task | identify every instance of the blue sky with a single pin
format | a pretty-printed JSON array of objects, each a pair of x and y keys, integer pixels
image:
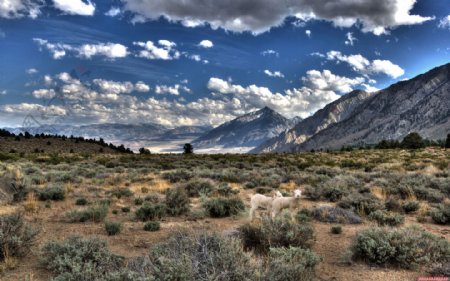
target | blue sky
[{"x": 204, "y": 62}]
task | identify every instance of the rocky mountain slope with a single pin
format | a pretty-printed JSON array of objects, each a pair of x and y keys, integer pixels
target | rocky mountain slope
[
  {"x": 421, "y": 105},
  {"x": 332, "y": 113},
  {"x": 247, "y": 131}
]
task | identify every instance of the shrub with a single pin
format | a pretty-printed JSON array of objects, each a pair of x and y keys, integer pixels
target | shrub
[
  {"x": 223, "y": 207},
  {"x": 442, "y": 214},
  {"x": 291, "y": 264},
  {"x": 337, "y": 229},
  {"x": 95, "y": 213},
  {"x": 122, "y": 192},
  {"x": 52, "y": 193},
  {"x": 177, "y": 201},
  {"x": 361, "y": 203},
  {"x": 113, "y": 228},
  {"x": 79, "y": 259},
  {"x": 281, "y": 232},
  {"x": 392, "y": 204},
  {"x": 387, "y": 218},
  {"x": 152, "y": 226},
  {"x": 138, "y": 201},
  {"x": 197, "y": 187},
  {"x": 335, "y": 215},
  {"x": 407, "y": 247},
  {"x": 304, "y": 215},
  {"x": 150, "y": 212},
  {"x": 411, "y": 206},
  {"x": 177, "y": 176},
  {"x": 81, "y": 201},
  {"x": 126, "y": 209},
  {"x": 200, "y": 256},
  {"x": 226, "y": 190},
  {"x": 16, "y": 236}
]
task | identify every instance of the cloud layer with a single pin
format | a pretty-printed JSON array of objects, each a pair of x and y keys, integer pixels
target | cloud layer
[{"x": 258, "y": 16}]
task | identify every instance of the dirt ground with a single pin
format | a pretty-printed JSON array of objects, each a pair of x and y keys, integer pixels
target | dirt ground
[{"x": 134, "y": 241}]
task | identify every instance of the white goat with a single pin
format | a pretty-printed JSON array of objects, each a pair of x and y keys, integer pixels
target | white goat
[
  {"x": 262, "y": 201},
  {"x": 281, "y": 203}
]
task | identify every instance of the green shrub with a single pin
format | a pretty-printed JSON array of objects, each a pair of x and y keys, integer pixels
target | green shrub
[
  {"x": 226, "y": 190},
  {"x": 150, "y": 212},
  {"x": 291, "y": 264},
  {"x": 406, "y": 247},
  {"x": 152, "y": 226},
  {"x": 177, "y": 176},
  {"x": 411, "y": 206},
  {"x": 281, "y": 232},
  {"x": 81, "y": 201},
  {"x": 197, "y": 187},
  {"x": 126, "y": 209},
  {"x": 200, "y": 256},
  {"x": 95, "y": 213},
  {"x": 138, "y": 201},
  {"x": 223, "y": 207},
  {"x": 177, "y": 201},
  {"x": 16, "y": 236},
  {"x": 364, "y": 203},
  {"x": 152, "y": 198},
  {"x": 78, "y": 259},
  {"x": 335, "y": 215},
  {"x": 387, "y": 218},
  {"x": 52, "y": 193},
  {"x": 336, "y": 229},
  {"x": 392, "y": 204},
  {"x": 303, "y": 216},
  {"x": 441, "y": 215},
  {"x": 122, "y": 192},
  {"x": 113, "y": 228}
]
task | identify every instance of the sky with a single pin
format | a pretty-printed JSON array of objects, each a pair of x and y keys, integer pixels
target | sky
[{"x": 204, "y": 62}]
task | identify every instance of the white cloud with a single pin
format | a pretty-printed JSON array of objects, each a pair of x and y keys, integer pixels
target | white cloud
[
  {"x": 172, "y": 90},
  {"x": 350, "y": 39},
  {"x": 444, "y": 22},
  {"x": 370, "y": 88},
  {"x": 274, "y": 74},
  {"x": 308, "y": 33},
  {"x": 32, "y": 71},
  {"x": 364, "y": 66},
  {"x": 113, "y": 12},
  {"x": 376, "y": 16},
  {"x": 206, "y": 44},
  {"x": 113, "y": 87},
  {"x": 75, "y": 7},
  {"x": 3, "y": 92},
  {"x": 44, "y": 93},
  {"x": 270, "y": 52},
  {"x": 109, "y": 50},
  {"x": 59, "y": 50},
  {"x": 11, "y": 9},
  {"x": 165, "y": 51},
  {"x": 327, "y": 81}
]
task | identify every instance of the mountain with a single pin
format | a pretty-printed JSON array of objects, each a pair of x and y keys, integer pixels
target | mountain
[
  {"x": 246, "y": 132},
  {"x": 421, "y": 105},
  {"x": 154, "y": 136},
  {"x": 332, "y": 113}
]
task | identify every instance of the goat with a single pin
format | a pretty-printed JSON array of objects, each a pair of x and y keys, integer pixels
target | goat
[
  {"x": 262, "y": 201},
  {"x": 281, "y": 203}
]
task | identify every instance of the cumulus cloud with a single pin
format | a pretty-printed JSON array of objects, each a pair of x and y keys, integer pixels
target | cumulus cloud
[
  {"x": 165, "y": 51},
  {"x": 270, "y": 52},
  {"x": 75, "y": 7},
  {"x": 327, "y": 81},
  {"x": 44, "y": 93},
  {"x": 350, "y": 39},
  {"x": 258, "y": 16},
  {"x": 32, "y": 71},
  {"x": 308, "y": 33},
  {"x": 364, "y": 66},
  {"x": 11, "y": 9},
  {"x": 108, "y": 50},
  {"x": 127, "y": 87},
  {"x": 274, "y": 73},
  {"x": 444, "y": 22},
  {"x": 113, "y": 12},
  {"x": 171, "y": 90},
  {"x": 206, "y": 44}
]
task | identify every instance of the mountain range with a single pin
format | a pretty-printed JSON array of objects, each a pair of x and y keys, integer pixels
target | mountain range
[{"x": 246, "y": 132}]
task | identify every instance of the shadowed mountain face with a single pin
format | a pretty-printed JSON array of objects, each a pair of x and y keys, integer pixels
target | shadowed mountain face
[
  {"x": 332, "y": 113},
  {"x": 249, "y": 130},
  {"x": 418, "y": 105}
]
